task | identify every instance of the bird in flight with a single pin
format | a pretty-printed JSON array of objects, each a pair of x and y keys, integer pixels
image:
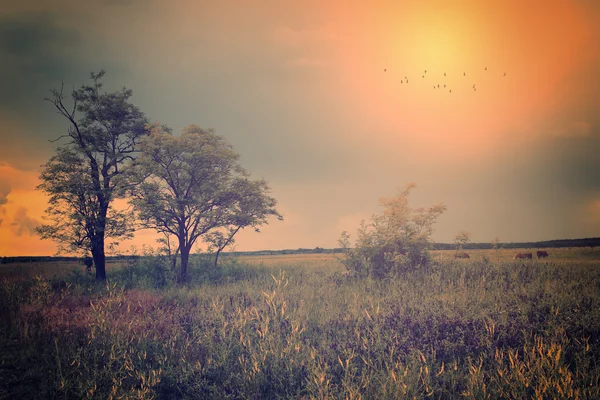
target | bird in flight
[
  {"x": 486, "y": 68},
  {"x": 450, "y": 90},
  {"x": 444, "y": 74},
  {"x": 425, "y": 71},
  {"x": 505, "y": 74},
  {"x": 464, "y": 74},
  {"x": 385, "y": 69},
  {"x": 401, "y": 81}
]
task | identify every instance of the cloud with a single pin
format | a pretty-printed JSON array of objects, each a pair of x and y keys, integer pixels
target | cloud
[
  {"x": 4, "y": 192},
  {"x": 22, "y": 224},
  {"x": 14, "y": 179},
  {"x": 37, "y": 53},
  {"x": 34, "y": 50},
  {"x": 20, "y": 149}
]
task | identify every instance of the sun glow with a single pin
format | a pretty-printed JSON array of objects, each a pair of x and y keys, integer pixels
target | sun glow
[{"x": 454, "y": 81}]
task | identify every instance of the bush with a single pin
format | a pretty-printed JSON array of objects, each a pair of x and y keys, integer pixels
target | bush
[{"x": 394, "y": 242}]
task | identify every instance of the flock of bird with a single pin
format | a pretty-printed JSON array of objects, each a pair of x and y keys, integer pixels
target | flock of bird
[{"x": 405, "y": 80}]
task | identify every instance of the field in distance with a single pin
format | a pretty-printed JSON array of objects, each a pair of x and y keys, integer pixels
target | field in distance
[
  {"x": 579, "y": 254},
  {"x": 326, "y": 261}
]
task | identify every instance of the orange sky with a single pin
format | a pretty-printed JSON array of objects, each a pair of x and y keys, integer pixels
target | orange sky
[{"x": 300, "y": 90}]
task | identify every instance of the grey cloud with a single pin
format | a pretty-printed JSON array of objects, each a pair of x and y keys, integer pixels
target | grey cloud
[
  {"x": 23, "y": 224},
  {"x": 34, "y": 43},
  {"x": 37, "y": 53}
]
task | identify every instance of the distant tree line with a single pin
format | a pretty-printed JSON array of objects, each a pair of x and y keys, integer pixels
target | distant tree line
[{"x": 586, "y": 242}]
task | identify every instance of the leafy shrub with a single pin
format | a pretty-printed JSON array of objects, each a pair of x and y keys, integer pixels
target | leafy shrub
[{"x": 394, "y": 242}]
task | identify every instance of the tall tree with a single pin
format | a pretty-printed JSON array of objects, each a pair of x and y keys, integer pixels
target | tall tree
[
  {"x": 85, "y": 176},
  {"x": 190, "y": 185}
]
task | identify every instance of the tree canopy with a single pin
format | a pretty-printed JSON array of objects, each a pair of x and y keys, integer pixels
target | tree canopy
[
  {"x": 85, "y": 176},
  {"x": 192, "y": 186},
  {"x": 393, "y": 242}
]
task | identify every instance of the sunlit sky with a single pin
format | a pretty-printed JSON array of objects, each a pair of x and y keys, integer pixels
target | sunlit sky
[{"x": 313, "y": 95}]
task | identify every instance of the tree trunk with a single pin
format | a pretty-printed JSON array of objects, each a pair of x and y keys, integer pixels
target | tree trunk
[
  {"x": 99, "y": 257},
  {"x": 217, "y": 257},
  {"x": 222, "y": 247},
  {"x": 185, "y": 256}
]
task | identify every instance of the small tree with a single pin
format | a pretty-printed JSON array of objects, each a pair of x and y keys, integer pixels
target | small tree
[
  {"x": 168, "y": 249},
  {"x": 496, "y": 246},
  {"x": 192, "y": 185},
  {"x": 461, "y": 239},
  {"x": 394, "y": 242},
  {"x": 252, "y": 207}
]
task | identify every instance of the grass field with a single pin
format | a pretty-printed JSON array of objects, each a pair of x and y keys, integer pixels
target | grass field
[{"x": 294, "y": 326}]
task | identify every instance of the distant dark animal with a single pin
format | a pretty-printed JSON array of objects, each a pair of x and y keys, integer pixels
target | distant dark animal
[
  {"x": 461, "y": 255},
  {"x": 88, "y": 262},
  {"x": 523, "y": 256},
  {"x": 541, "y": 254}
]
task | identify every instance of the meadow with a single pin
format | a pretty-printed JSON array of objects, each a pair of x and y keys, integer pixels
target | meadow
[{"x": 295, "y": 326}]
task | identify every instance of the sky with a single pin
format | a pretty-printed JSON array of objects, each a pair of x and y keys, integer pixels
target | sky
[{"x": 313, "y": 96}]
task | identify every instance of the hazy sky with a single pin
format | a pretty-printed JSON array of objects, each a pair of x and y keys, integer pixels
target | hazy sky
[{"x": 299, "y": 89}]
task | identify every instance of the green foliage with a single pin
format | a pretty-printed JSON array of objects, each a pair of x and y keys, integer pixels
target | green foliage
[
  {"x": 393, "y": 242},
  {"x": 86, "y": 174},
  {"x": 74, "y": 205},
  {"x": 192, "y": 187}
]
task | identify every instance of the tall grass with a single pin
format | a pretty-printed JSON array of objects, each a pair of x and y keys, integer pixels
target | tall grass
[{"x": 474, "y": 329}]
